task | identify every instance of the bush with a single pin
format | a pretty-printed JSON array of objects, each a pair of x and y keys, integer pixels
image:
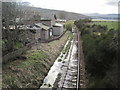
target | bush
[
  {"x": 69, "y": 25},
  {"x": 59, "y": 60},
  {"x": 99, "y": 54}
]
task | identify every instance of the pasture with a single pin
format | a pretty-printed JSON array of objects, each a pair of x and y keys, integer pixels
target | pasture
[{"x": 109, "y": 24}]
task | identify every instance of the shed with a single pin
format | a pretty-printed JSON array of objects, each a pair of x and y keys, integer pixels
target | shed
[
  {"x": 57, "y": 29},
  {"x": 44, "y": 32}
]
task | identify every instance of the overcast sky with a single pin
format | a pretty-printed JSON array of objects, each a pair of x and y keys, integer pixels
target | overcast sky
[{"x": 79, "y": 6}]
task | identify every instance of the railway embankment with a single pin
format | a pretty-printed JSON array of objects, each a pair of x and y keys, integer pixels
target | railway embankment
[{"x": 31, "y": 68}]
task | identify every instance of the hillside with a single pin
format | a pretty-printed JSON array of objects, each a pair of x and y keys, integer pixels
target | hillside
[
  {"x": 102, "y": 16},
  {"x": 49, "y": 13}
]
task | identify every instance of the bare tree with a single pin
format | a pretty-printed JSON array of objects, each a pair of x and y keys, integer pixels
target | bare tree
[{"x": 10, "y": 13}]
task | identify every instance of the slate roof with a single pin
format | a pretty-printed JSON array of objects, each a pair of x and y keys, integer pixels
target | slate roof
[{"x": 40, "y": 25}]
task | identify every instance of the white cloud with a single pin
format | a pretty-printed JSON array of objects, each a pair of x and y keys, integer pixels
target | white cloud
[
  {"x": 79, "y": 6},
  {"x": 112, "y": 2}
]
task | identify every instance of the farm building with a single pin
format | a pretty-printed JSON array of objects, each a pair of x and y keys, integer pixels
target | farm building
[
  {"x": 35, "y": 32},
  {"x": 57, "y": 29},
  {"x": 45, "y": 32},
  {"x": 46, "y": 22}
]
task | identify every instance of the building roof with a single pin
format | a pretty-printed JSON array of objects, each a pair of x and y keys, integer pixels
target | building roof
[
  {"x": 58, "y": 25},
  {"x": 28, "y": 27},
  {"x": 40, "y": 25},
  {"x": 61, "y": 20},
  {"x": 46, "y": 20}
]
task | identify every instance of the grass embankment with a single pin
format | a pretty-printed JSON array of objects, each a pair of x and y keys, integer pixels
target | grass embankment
[
  {"x": 26, "y": 73},
  {"x": 31, "y": 71}
]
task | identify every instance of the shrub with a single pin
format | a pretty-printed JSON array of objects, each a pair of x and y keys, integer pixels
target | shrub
[{"x": 59, "y": 60}]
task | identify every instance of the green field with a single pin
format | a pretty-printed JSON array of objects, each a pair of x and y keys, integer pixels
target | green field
[{"x": 109, "y": 24}]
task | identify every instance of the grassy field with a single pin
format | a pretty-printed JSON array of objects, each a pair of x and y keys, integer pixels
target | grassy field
[{"x": 109, "y": 24}]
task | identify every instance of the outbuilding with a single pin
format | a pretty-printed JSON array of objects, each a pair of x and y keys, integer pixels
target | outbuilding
[
  {"x": 45, "y": 32},
  {"x": 57, "y": 29}
]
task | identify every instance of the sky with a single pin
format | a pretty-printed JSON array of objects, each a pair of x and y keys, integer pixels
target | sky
[{"x": 79, "y": 6}]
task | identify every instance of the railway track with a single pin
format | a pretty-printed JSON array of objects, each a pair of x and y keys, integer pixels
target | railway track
[{"x": 70, "y": 72}]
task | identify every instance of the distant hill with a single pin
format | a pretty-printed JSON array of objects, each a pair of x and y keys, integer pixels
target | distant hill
[
  {"x": 102, "y": 16},
  {"x": 49, "y": 13}
]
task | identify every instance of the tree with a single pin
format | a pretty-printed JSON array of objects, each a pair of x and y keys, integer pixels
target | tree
[
  {"x": 8, "y": 18},
  {"x": 69, "y": 25},
  {"x": 101, "y": 54},
  {"x": 36, "y": 17},
  {"x": 10, "y": 12}
]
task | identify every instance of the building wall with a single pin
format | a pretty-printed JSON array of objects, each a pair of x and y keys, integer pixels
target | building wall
[
  {"x": 38, "y": 35},
  {"x": 47, "y": 34},
  {"x": 44, "y": 34},
  {"x": 62, "y": 29},
  {"x": 57, "y": 30}
]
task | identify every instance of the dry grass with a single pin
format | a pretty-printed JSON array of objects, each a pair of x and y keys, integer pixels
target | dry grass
[{"x": 52, "y": 49}]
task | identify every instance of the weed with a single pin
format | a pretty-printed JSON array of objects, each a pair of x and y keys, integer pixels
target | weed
[
  {"x": 49, "y": 85},
  {"x": 59, "y": 60},
  {"x": 63, "y": 62},
  {"x": 61, "y": 56},
  {"x": 44, "y": 84}
]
